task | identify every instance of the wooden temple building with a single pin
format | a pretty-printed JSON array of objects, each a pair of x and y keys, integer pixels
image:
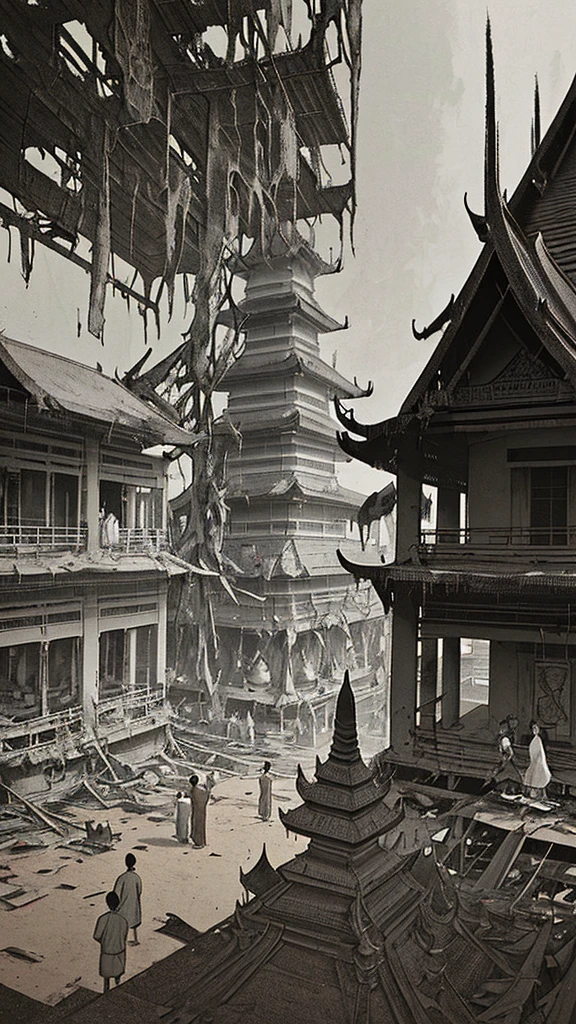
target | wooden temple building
[
  {"x": 151, "y": 144},
  {"x": 491, "y": 424},
  {"x": 353, "y": 930},
  {"x": 297, "y": 619},
  {"x": 84, "y": 567}
]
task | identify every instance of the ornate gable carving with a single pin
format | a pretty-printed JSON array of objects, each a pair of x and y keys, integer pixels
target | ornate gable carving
[{"x": 524, "y": 377}]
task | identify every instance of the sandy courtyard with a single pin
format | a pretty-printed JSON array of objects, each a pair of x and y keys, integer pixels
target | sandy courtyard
[{"x": 200, "y": 886}]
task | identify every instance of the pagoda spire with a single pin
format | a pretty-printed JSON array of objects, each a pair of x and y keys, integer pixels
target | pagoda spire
[
  {"x": 345, "y": 747},
  {"x": 343, "y": 809},
  {"x": 491, "y": 168},
  {"x": 536, "y": 125}
]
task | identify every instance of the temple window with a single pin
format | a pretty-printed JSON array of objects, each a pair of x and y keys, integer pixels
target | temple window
[{"x": 549, "y": 505}]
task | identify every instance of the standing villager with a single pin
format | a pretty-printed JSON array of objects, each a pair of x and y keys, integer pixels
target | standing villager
[
  {"x": 111, "y": 932},
  {"x": 183, "y": 814},
  {"x": 210, "y": 782},
  {"x": 199, "y": 799},
  {"x": 265, "y": 800},
  {"x": 506, "y": 776},
  {"x": 538, "y": 774},
  {"x": 128, "y": 888},
  {"x": 250, "y": 730}
]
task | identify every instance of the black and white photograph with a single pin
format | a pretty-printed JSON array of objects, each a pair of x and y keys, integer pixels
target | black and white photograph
[{"x": 287, "y": 512}]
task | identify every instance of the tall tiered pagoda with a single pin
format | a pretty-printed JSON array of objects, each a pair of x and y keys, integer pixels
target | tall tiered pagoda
[
  {"x": 307, "y": 620},
  {"x": 491, "y": 423}
]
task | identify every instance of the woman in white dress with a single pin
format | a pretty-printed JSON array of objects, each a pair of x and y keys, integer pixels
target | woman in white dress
[
  {"x": 183, "y": 812},
  {"x": 538, "y": 774}
]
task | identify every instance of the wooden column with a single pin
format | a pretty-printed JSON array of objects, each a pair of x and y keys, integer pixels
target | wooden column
[
  {"x": 90, "y": 661},
  {"x": 131, "y": 640},
  {"x": 450, "y": 681},
  {"x": 161, "y": 638},
  {"x": 44, "y": 681},
  {"x": 409, "y": 496},
  {"x": 403, "y": 669},
  {"x": 92, "y": 492},
  {"x": 428, "y": 682}
]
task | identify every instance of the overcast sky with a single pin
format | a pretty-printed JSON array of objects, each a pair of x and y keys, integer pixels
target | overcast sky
[{"x": 420, "y": 149}]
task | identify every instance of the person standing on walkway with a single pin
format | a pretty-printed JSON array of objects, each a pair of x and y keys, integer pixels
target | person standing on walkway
[
  {"x": 111, "y": 932},
  {"x": 265, "y": 800},
  {"x": 199, "y": 799},
  {"x": 128, "y": 888},
  {"x": 538, "y": 774}
]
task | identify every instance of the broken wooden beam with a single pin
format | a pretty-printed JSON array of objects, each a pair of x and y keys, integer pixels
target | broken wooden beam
[{"x": 34, "y": 810}]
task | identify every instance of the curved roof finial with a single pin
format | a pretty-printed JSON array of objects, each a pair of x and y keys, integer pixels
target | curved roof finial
[
  {"x": 536, "y": 125},
  {"x": 345, "y": 739},
  {"x": 491, "y": 183}
]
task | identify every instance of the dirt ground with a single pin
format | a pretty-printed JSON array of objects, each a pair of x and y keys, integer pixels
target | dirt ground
[{"x": 201, "y": 886}]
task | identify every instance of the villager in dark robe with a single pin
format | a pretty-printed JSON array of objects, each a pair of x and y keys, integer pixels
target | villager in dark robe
[
  {"x": 199, "y": 799},
  {"x": 265, "y": 801},
  {"x": 128, "y": 888},
  {"x": 111, "y": 932}
]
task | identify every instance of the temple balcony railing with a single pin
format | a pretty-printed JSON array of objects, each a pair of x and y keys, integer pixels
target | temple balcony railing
[
  {"x": 457, "y": 751},
  {"x": 139, "y": 703},
  {"x": 531, "y": 544},
  {"x": 41, "y": 538},
  {"x": 134, "y": 541},
  {"x": 34, "y": 732}
]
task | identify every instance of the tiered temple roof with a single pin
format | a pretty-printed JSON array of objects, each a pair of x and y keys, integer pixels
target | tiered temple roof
[{"x": 525, "y": 276}]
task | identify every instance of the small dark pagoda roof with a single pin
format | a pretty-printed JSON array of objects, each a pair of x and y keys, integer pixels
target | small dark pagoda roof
[{"x": 261, "y": 877}]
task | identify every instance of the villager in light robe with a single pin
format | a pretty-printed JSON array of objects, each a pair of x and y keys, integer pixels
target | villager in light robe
[
  {"x": 265, "y": 801},
  {"x": 250, "y": 733},
  {"x": 183, "y": 814},
  {"x": 199, "y": 799},
  {"x": 128, "y": 888},
  {"x": 111, "y": 932},
  {"x": 538, "y": 774},
  {"x": 110, "y": 531}
]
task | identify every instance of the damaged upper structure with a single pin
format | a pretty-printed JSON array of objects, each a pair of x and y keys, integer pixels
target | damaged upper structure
[
  {"x": 149, "y": 133},
  {"x": 84, "y": 564},
  {"x": 491, "y": 423},
  {"x": 353, "y": 930},
  {"x": 151, "y": 141}
]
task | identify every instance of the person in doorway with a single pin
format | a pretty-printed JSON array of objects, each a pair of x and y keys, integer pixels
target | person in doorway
[
  {"x": 250, "y": 731},
  {"x": 128, "y": 888},
  {"x": 265, "y": 800},
  {"x": 199, "y": 799},
  {"x": 538, "y": 774},
  {"x": 183, "y": 813},
  {"x": 111, "y": 932}
]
